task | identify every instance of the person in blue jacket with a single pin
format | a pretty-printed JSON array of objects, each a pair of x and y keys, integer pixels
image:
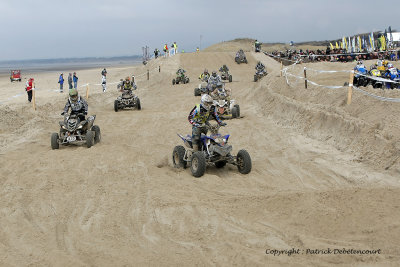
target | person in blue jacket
[
  {"x": 61, "y": 82},
  {"x": 75, "y": 78}
]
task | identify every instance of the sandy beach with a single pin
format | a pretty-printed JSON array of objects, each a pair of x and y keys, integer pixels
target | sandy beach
[{"x": 325, "y": 174}]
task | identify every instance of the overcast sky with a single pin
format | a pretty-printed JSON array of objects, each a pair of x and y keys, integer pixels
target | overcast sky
[{"x": 96, "y": 28}]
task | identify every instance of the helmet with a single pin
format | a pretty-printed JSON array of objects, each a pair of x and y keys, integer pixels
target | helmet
[
  {"x": 214, "y": 73},
  {"x": 73, "y": 95},
  {"x": 205, "y": 70},
  {"x": 389, "y": 65},
  {"x": 128, "y": 79},
  {"x": 206, "y": 101},
  {"x": 219, "y": 85}
]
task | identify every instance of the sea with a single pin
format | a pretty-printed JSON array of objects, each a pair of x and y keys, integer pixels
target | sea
[{"x": 66, "y": 64}]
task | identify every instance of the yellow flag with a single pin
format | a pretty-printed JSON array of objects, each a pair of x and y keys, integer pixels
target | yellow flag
[
  {"x": 337, "y": 45},
  {"x": 331, "y": 46}
]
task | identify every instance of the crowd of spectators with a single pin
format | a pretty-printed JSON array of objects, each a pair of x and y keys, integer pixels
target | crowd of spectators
[{"x": 334, "y": 55}]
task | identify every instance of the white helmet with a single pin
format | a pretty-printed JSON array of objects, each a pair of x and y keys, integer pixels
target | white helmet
[
  {"x": 390, "y": 65},
  {"x": 206, "y": 101}
]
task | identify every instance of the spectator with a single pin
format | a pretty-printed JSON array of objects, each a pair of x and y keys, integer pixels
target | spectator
[
  {"x": 70, "y": 80},
  {"x": 175, "y": 48},
  {"x": 29, "y": 88},
  {"x": 61, "y": 82},
  {"x": 75, "y": 78},
  {"x": 165, "y": 49}
]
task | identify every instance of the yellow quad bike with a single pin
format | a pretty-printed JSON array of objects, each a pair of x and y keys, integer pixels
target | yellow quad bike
[{"x": 376, "y": 73}]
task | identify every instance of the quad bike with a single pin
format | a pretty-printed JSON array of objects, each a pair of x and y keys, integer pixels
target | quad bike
[
  {"x": 259, "y": 74},
  {"x": 75, "y": 131},
  {"x": 127, "y": 100},
  {"x": 180, "y": 78},
  {"x": 213, "y": 150},
  {"x": 394, "y": 75},
  {"x": 226, "y": 109},
  {"x": 257, "y": 47},
  {"x": 226, "y": 76},
  {"x": 15, "y": 76},
  {"x": 202, "y": 89},
  {"x": 359, "y": 78},
  {"x": 240, "y": 57},
  {"x": 377, "y": 74}
]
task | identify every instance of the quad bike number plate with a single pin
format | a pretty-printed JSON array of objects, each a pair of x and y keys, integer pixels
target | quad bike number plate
[{"x": 71, "y": 138}]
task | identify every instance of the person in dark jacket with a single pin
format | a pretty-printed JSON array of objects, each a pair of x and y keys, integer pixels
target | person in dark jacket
[{"x": 70, "y": 80}]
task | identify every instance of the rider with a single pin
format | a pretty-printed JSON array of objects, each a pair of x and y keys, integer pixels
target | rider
[
  {"x": 205, "y": 75},
  {"x": 127, "y": 87},
  {"x": 260, "y": 67},
  {"x": 221, "y": 92},
  {"x": 213, "y": 80},
  {"x": 256, "y": 43},
  {"x": 77, "y": 104},
  {"x": 224, "y": 68},
  {"x": 199, "y": 116},
  {"x": 180, "y": 71}
]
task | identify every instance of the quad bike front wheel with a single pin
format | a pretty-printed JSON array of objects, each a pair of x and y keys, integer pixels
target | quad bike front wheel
[
  {"x": 230, "y": 78},
  {"x": 255, "y": 78},
  {"x": 197, "y": 92},
  {"x": 198, "y": 164},
  {"x": 97, "y": 134},
  {"x": 54, "y": 141},
  {"x": 138, "y": 106},
  {"x": 177, "y": 157},
  {"x": 243, "y": 162},
  {"x": 89, "y": 139},
  {"x": 173, "y": 81}
]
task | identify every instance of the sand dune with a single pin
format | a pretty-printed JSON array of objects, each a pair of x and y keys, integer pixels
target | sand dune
[{"x": 318, "y": 177}]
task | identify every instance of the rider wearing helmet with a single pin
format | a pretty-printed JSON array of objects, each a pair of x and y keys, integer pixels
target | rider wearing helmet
[
  {"x": 199, "y": 116},
  {"x": 260, "y": 66},
  {"x": 77, "y": 104},
  {"x": 224, "y": 68},
  {"x": 205, "y": 75},
  {"x": 213, "y": 80}
]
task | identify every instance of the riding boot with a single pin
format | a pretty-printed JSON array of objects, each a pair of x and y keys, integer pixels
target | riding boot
[{"x": 195, "y": 147}]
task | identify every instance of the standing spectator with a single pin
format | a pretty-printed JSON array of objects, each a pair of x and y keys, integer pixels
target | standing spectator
[
  {"x": 165, "y": 49},
  {"x": 175, "y": 48},
  {"x": 61, "y": 82},
  {"x": 28, "y": 88},
  {"x": 156, "y": 51},
  {"x": 103, "y": 83},
  {"x": 70, "y": 80},
  {"x": 104, "y": 72},
  {"x": 75, "y": 78}
]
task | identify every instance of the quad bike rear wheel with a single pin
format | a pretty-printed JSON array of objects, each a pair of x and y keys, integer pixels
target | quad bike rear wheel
[
  {"x": 230, "y": 78},
  {"x": 97, "y": 134},
  {"x": 198, "y": 164},
  {"x": 89, "y": 139},
  {"x": 54, "y": 141},
  {"x": 255, "y": 78},
  {"x": 243, "y": 162},
  {"x": 177, "y": 157},
  {"x": 116, "y": 105},
  {"x": 197, "y": 92},
  {"x": 138, "y": 106},
  {"x": 173, "y": 81},
  {"x": 238, "y": 110}
]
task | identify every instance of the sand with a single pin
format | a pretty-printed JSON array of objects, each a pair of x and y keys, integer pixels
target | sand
[{"x": 319, "y": 179}]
